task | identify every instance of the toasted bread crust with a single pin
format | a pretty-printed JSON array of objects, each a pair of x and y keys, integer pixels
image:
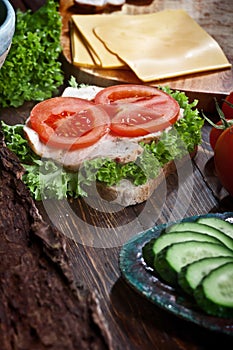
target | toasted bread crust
[{"x": 126, "y": 193}]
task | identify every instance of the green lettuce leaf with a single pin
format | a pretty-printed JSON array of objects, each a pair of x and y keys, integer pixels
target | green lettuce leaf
[{"x": 32, "y": 71}]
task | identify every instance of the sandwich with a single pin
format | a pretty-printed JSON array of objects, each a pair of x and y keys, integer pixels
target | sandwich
[{"x": 122, "y": 139}]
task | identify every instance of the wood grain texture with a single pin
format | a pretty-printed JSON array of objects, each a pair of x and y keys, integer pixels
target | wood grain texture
[{"x": 215, "y": 17}]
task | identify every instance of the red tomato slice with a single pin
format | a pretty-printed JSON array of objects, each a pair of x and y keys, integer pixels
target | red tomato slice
[
  {"x": 223, "y": 158},
  {"x": 69, "y": 122},
  {"x": 138, "y": 110}
]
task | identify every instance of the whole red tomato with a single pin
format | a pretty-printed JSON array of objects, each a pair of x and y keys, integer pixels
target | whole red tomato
[
  {"x": 215, "y": 132},
  {"x": 227, "y": 108},
  {"x": 226, "y": 119},
  {"x": 223, "y": 158}
]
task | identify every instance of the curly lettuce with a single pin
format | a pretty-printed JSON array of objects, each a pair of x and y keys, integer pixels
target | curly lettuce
[{"x": 32, "y": 70}]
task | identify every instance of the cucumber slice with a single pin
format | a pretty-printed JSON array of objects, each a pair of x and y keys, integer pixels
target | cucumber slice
[
  {"x": 148, "y": 253},
  {"x": 215, "y": 292},
  {"x": 154, "y": 246},
  {"x": 222, "y": 225},
  {"x": 191, "y": 275},
  {"x": 205, "y": 229},
  {"x": 169, "y": 261}
]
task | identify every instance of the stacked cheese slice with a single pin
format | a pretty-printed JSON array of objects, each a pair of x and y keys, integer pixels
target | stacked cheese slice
[{"x": 154, "y": 46}]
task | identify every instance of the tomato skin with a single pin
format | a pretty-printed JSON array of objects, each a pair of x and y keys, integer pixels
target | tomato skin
[
  {"x": 223, "y": 159},
  {"x": 141, "y": 121},
  {"x": 214, "y": 135},
  {"x": 227, "y": 109},
  {"x": 125, "y": 93},
  {"x": 215, "y": 132},
  {"x": 226, "y": 115},
  {"x": 137, "y": 110},
  {"x": 68, "y": 122}
]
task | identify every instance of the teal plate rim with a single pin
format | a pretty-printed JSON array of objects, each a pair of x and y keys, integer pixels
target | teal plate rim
[{"x": 145, "y": 282}]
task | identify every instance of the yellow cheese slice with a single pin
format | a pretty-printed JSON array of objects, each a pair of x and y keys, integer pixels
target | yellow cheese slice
[
  {"x": 161, "y": 45},
  {"x": 82, "y": 53},
  {"x": 87, "y": 49}
]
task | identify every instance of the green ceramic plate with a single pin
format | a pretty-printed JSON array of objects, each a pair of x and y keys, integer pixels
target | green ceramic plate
[{"x": 144, "y": 281}]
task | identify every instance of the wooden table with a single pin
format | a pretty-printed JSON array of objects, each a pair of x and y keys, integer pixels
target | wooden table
[{"x": 95, "y": 232}]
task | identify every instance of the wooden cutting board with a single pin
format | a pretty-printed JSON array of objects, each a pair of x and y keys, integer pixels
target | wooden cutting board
[{"x": 202, "y": 86}]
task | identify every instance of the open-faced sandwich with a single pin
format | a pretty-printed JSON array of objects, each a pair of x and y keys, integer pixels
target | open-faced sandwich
[{"x": 123, "y": 138}]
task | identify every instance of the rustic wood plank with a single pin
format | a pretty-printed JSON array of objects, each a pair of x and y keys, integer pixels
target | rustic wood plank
[{"x": 139, "y": 324}]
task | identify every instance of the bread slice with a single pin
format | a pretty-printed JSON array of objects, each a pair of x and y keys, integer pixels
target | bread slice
[{"x": 126, "y": 193}]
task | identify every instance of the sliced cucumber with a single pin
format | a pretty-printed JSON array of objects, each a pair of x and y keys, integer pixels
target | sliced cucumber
[
  {"x": 169, "y": 261},
  {"x": 191, "y": 275},
  {"x": 215, "y": 292},
  {"x": 221, "y": 225},
  {"x": 153, "y": 247},
  {"x": 148, "y": 253},
  {"x": 202, "y": 228}
]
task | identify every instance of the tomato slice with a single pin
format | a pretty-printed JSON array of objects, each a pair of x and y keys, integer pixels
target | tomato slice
[
  {"x": 69, "y": 122},
  {"x": 137, "y": 110}
]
